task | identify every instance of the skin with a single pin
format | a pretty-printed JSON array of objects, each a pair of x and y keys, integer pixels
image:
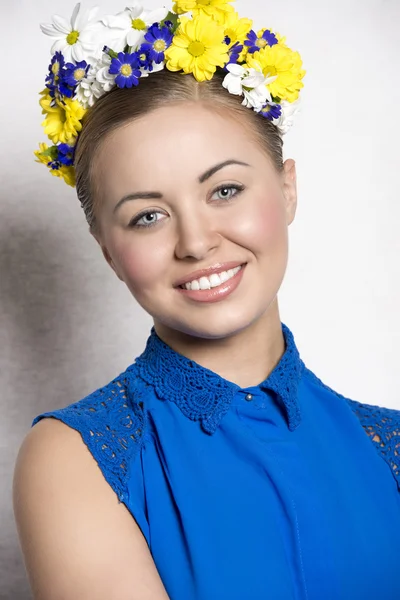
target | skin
[{"x": 240, "y": 337}]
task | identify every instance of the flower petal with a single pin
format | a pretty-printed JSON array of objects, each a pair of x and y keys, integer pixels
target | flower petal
[
  {"x": 77, "y": 52},
  {"x": 135, "y": 10},
  {"x": 50, "y": 30},
  {"x": 236, "y": 69},
  {"x": 61, "y": 24},
  {"x": 83, "y": 19},
  {"x": 155, "y": 16},
  {"x": 61, "y": 45},
  {"x": 180, "y": 41},
  {"x": 120, "y": 21},
  {"x": 134, "y": 37}
]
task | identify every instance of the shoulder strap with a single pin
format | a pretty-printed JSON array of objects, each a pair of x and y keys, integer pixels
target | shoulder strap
[
  {"x": 383, "y": 427},
  {"x": 111, "y": 424}
]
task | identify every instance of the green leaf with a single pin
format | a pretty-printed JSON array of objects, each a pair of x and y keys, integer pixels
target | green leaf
[
  {"x": 111, "y": 53},
  {"x": 51, "y": 152},
  {"x": 174, "y": 20}
]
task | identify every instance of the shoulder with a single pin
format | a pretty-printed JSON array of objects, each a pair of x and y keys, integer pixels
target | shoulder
[
  {"x": 380, "y": 423},
  {"x": 111, "y": 422},
  {"x": 69, "y": 521}
]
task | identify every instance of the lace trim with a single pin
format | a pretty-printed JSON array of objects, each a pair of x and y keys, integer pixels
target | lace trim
[
  {"x": 203, "y": 395},
  {"x": 381, "y": 424},
  {"x": 200, "y": 394},
  {"x": 284, "y": 380},
  {"x": 116, "y": 434}
]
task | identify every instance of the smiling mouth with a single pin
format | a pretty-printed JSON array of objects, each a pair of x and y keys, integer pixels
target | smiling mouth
[{"x": 212, "y": 281}]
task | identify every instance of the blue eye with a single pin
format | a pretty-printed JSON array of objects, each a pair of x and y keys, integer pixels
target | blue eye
[
  {"x": 227, "y": 192},
  {"x": 143, "y": 217},
  {"x": 147, "y": 219}
]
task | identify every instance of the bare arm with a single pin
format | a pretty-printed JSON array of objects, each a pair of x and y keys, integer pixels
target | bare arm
[{"x": 77, "y": 540}]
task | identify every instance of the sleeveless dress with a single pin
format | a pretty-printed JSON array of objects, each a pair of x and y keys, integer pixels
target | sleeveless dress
[{"x": 282, "y": 491}]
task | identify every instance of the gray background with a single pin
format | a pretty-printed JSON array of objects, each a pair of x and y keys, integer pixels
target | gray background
[{"x": 68, "y": 325}]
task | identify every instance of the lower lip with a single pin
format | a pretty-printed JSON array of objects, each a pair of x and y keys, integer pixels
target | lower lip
[{"x": 215, "y": 294}]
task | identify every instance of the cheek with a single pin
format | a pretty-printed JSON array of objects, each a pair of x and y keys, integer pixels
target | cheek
[
  {"x": 141, "y": 261},
  {"x": 263, "y": 225}
]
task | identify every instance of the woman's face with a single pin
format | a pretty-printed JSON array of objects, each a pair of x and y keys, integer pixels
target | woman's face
[{"x": 203, "y": 194}]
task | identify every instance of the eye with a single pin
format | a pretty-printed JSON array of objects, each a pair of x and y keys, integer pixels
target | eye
[
  {"x": 145, "y": 219},
  {"x": 227, "y": 191}
]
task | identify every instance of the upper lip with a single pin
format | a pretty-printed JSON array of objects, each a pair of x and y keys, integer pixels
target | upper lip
[{"x": 218, "y": 268}]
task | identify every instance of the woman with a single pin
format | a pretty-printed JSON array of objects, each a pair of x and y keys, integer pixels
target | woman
[{"x": 217, "y": 465}]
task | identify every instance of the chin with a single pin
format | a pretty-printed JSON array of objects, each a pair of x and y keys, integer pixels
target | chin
[{"x": 210, "y": 327}]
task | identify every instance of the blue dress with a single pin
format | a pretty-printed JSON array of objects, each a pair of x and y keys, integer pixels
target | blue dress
[{"x": 282, "y": 491}]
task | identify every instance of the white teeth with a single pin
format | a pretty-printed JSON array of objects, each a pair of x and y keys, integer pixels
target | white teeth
[
  {"x": 216, "y": 279},
  {"x": 224, "y": 276},
  {"x": 205, "y": 283}
]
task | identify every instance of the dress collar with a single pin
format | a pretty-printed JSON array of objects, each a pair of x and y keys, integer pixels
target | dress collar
[{"x": 204, "y": 395}]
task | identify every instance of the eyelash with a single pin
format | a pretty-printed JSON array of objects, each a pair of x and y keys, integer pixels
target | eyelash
[{"x": 134, "y": 223}]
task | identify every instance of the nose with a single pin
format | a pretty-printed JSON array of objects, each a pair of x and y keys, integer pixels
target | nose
[{"x": 196, "y": 236}]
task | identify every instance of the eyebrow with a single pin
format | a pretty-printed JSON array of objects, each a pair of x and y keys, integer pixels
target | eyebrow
[{"x": 157, "y": 195}]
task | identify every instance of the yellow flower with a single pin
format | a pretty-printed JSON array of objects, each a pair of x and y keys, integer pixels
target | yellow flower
[
  {"x": 285, "y": 64},
  {"x": 236, "y": 29},
  {"x": 66, "y": 173},
  {"x": 46, "y": 101},
  {"x": 63, "y": 120},
  {"x": 40, "y": 156},
  {"x": 44, "y": 156},
  {"x": 212, "y": 8},
  {"x": 198, "y": 47}
]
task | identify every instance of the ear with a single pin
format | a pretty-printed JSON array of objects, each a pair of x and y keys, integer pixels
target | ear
[
  {"x": 290, "y": 189},
  {"x": 105, "y": 252}
]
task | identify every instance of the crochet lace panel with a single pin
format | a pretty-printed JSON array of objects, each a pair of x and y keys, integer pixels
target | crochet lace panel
[
  {"x": 284, "y": 380},
  {"x": 382, "y": 425},
  {"x": 203, "y": 395},
  {"x": 112, "y": 423}
]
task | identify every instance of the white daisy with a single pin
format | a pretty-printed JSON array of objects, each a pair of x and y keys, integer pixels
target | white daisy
[
  {"x": 250, "y": 83},
  {"x": 128, "y": 27},
  {"x": 97, "y": 82},
  {"x": 289, "y": 111},
  {"x": 79, "y": 39}
]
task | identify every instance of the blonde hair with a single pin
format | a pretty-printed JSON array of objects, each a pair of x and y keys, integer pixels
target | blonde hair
[{"x": 120, "y": 106}]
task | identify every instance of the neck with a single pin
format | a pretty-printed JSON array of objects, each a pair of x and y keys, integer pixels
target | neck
[{"x": 246, "y": 358}]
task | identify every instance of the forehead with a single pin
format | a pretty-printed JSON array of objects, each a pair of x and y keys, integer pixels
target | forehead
[{"x": 170, "y": 144}]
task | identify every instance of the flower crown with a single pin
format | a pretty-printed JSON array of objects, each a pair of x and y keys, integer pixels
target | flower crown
[{"x": 90, "y": 57}]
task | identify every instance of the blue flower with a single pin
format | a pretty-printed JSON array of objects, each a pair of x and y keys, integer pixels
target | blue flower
[
  {"x": 73, "y": 74},
  {"x": 158, "y": 39},
  {"x": 143, "y": 57},
  {"x": 54, "y": 165},
  {"x": 234, "y": 53},
  {"x": 64, "y": 89},
  {"x": 255, "y": 43},
  {"x": 56, "y": 67},
  {"x": 66, "y": 154},
  {"x": 70, "y": 77},
  {"x": 126, "y": 69},
  {"x": 271, "y": 111}
]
